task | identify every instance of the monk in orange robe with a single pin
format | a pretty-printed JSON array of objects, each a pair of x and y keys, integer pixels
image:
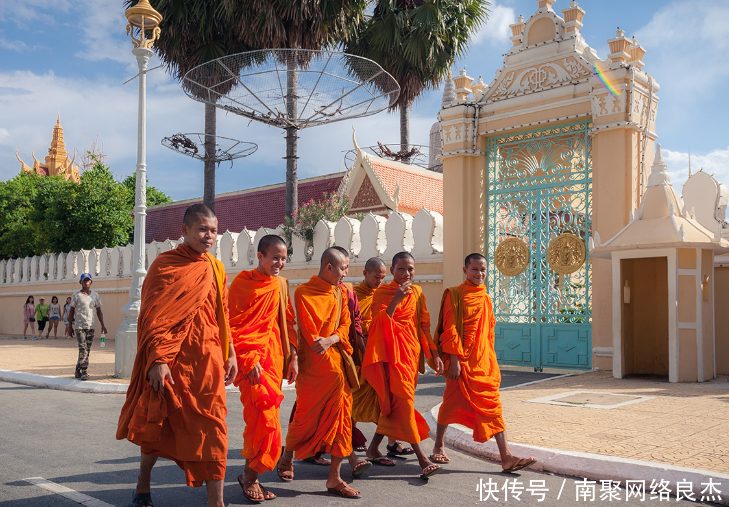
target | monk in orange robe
[
  {"x": 262, "y": 328},
  {"x": 365, "y": 407},
  {"x": 399, "y": 340},
  {"x": 465, "y": 335},
  {"x": 323, "y": 417},
  {"x": 175, "y": 405}
]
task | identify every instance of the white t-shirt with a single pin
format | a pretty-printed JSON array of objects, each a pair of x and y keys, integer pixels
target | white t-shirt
[{"x": 85, "y": 306}]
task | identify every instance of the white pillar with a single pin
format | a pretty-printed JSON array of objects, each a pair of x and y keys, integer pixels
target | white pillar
[{"x": 126, "y": 335}]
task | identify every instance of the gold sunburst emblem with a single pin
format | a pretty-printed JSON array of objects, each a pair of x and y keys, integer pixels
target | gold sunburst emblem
[
  {"x": 511, "y": 256},
  {"x": 566, "y": 253}
]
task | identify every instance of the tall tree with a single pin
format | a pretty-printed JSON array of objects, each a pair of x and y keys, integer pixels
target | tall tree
[
  {"x": 294, "y": 24},
  {"x": 195, "y": 32},
  {"x": 417, "y": 41}
]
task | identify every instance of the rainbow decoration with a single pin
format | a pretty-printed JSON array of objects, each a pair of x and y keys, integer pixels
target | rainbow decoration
[{"x": 602, "y": 72}]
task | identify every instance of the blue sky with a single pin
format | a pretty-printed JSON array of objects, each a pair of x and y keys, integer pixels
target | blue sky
[{"x": 73, "y": 56}]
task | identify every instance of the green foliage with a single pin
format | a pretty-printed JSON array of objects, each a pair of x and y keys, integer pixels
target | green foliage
[
  {"x": 154, "y": 195},
  {"x": 41, "y": 214},
  {"x": 18, "y": 235},
  {"x": 93, "y": 213},
  {"x": 416, "y": 41},
  {"x": 331, "y": 207}
]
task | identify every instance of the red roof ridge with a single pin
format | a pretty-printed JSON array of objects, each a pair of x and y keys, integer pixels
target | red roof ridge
[{"x": 251, "y": 190}]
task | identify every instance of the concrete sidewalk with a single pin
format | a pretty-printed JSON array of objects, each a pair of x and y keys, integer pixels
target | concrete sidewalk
[{"x": 600, "y": 428}]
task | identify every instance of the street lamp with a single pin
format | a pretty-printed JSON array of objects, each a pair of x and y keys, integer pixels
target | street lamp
[{"x": 141, "y": 18}]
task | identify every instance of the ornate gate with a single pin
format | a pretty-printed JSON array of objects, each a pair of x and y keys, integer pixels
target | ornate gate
[{"x": 538, "y": 215}]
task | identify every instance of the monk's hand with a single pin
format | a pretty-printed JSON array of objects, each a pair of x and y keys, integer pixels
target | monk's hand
[
  {"x": 439, "y": 366},
  {"x": 156, "y": 376},
  {"x": 231, "y": 369},
  {"x": 321, "y": 344},
  {"x": 402, "y": 292},
  {"x": 454, "y": 370},
  {"x": 255, "y": 374},
  {"x": 293, "y": 369}
]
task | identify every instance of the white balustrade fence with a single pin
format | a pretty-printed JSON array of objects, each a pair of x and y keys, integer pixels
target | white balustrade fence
[{"x": 374, "y": 236}]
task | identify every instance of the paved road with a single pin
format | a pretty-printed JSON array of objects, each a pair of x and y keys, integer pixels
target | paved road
[{"x": 68, "y": 438}]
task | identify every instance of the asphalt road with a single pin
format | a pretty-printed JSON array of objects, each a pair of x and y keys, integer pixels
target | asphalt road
[{"x": 68, "y": 438}]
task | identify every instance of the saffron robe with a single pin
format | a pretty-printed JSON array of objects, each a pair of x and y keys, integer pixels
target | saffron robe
[
  {"x": 323, "y": 416},
  {"x": 256, "y": 321},
  {"x": 391, "y": 362},
  {"x": 365, "y": 407},
  {"x": 472, "y": 400},
  {"x": 178, "y": 325}
]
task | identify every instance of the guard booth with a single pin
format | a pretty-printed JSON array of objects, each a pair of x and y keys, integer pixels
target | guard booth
[
  {"x": 554, "y": 147},
  {"x": 663, "y": 287}
]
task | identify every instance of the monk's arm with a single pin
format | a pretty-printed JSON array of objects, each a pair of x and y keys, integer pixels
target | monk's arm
[
  {"x": 425, "y": 327},
  {"x": 231, "y": 365},
  {"x": 450, "y": 341},
  {"x": 401, "y": 293},
  {"x": 342, "y": 332},
  {"x": 294, "y": 361}
]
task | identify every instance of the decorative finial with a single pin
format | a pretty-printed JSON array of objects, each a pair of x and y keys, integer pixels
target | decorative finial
[
  {"x": 689, "y": 162},
  {"x": 521, "y": 19},
  {"x": 354, "y": 139},
  {"x": 659, "y": 170},
  {"x": 619, "y": 32},
  {"x": 449, "y": 91},
  {"x": 58, "y": 121}
]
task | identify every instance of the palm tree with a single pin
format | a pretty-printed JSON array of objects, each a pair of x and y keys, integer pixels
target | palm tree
[
  {"x": 416, "y": 41},
  {"x": 195, "y": 32},
  {"x": 294, "y": 24}
]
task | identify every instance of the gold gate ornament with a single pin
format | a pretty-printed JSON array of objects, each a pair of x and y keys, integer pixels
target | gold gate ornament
[
  {"x": 511, "y": 256},
  {"x": 566, "y": 253}
]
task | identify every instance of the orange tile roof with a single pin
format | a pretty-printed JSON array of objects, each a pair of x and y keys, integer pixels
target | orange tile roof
[{"x": 419, "y": 188}]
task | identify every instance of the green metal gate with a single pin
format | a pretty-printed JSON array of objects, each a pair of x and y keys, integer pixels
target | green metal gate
[{"x": 538, "y": 187}]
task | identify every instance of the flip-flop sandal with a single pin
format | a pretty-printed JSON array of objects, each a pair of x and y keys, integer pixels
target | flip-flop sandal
[
  {"x": 283, "y": 474},
  {"x": 266, "y": 494},
  {"x": 426, "y": 475},
  {"x": 247, "y": 492},
  {"x": 519, "y": 465},
  {"x": 342, "y": 489},
  {"x": 142, "y": 500},
  {"x": 321, "y": 461},
  {"x": 361, "y": 468},
  {"x": 383, "y": 461},
  {"x": 394, "y": 453},
  {"x": 441, "y": 459}
]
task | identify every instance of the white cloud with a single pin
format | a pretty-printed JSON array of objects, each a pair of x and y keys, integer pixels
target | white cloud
[
  {"x": 690, "y": 36},
  {"x": 496, "y": 30},
  {"x": 13, "y": 45},
  {"x": 104, "y": 31},
  {"x": 715, "y": 162},
  {"x": 36, "y": 11}
]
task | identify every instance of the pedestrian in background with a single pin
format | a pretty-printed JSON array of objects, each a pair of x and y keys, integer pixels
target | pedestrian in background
[
  {"x": 83, "y": 303},
  {"x": 29, "y": 317},
  {"x": 66, "y": 311},
  {"x": 54, "y": 317},
  {"x": 41, "y": 315}
]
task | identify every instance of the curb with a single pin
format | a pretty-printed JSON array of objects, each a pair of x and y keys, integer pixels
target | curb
[
  {"x": 82, "y": 386},
  {"x": 584, "y": 465}
]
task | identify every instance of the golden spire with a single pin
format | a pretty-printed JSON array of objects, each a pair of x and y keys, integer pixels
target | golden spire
[
  {"x": 57, "y": 155},
  {"x": 689, "y": 162}
]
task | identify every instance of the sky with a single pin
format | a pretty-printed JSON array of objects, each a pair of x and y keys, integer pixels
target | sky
[{"x": 72, "y": 58}]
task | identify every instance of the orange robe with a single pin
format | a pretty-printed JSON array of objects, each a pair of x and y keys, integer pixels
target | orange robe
[
  {"x": 365, "y": 407},
  {"x": 391, "y": 363},
  {"x": 178, "y": 326},
  {"x": 323, "y": 417},
  {"x": 473, "y": 399},
  {"x": 255, "y": 301}
]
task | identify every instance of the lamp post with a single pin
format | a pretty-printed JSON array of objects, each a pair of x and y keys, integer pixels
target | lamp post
[{"x": 141, "y": 17}]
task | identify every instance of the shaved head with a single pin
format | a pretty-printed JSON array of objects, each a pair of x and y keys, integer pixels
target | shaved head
[
  {"x": 332, "y": 256},
  {"x": 474, "y": 257},
  {"x": 334, "y": 266},
  {"x": 401, "y": 255},
  {"x": 374, "y": 264},
  {"x": 268, "y": 241},
  {"x": 342, "y": 250},
  {"x": 194, "y": 212}
]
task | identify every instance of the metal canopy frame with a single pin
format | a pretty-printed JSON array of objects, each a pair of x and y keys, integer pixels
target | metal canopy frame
[
  {"x": 331, "y": 86},
  {"x": 193, "y": 145}
]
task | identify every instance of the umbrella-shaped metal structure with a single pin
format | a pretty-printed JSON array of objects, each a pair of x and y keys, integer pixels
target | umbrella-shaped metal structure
[
  {"x": 225, "y": 149},
  {"x": 416, "y": 155},
  {"x": 293, "y": 89}
]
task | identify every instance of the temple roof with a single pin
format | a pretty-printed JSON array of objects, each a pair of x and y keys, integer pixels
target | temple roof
[
  {"x": 661, "y": 221},
  {"x": 57, "y": 162}
]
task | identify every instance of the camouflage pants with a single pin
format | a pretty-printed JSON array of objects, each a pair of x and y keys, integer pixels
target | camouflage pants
[{"x": 85, "y": 338}]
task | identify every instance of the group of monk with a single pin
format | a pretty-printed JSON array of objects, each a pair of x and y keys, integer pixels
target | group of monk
[{"x": 354, "y": 354}]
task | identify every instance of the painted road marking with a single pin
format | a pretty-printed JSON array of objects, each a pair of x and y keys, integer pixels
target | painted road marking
[{"x": 65, "y": 492}]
